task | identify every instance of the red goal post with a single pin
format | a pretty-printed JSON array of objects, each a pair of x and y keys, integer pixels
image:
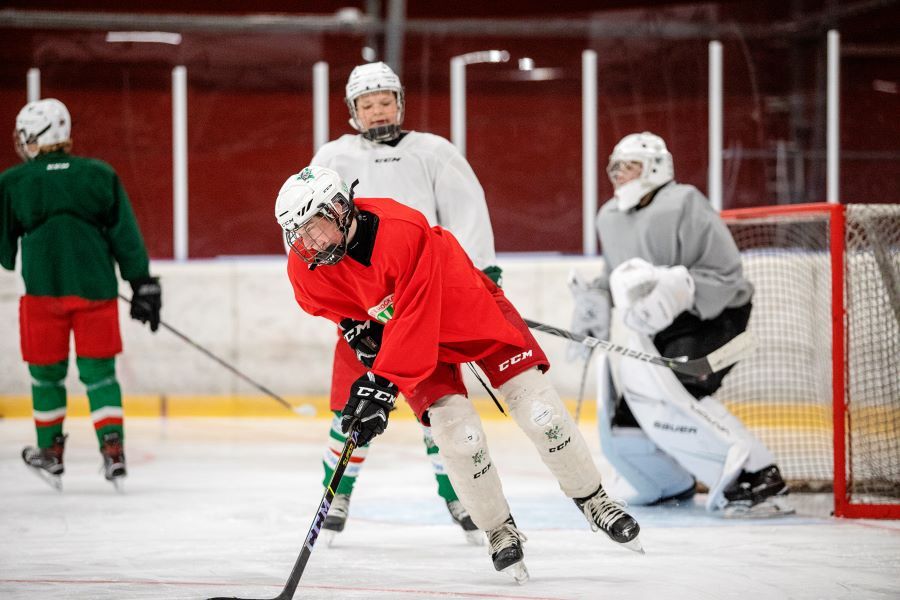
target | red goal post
[{"x": 823, "y": 389}]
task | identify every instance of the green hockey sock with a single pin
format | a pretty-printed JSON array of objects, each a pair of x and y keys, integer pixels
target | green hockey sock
[
  {"x": 445, "y": 488},
  {"x": 48, "y": 398},
  {"x": 104, "y": 395}
]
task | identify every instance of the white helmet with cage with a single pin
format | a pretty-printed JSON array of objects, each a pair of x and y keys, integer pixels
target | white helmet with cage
[
  {"x": 657, "y": 167},
  {"x": 369, "y": 78},
  {"x": 315, "y": 209},
  {"x": 40, "y": 124}
]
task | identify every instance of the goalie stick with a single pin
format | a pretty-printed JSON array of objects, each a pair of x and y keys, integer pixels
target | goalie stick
[
  {"x": 294, "y": 578},
  {"x": 726, "y": 355},
  {"x": 304, "y": 410}
]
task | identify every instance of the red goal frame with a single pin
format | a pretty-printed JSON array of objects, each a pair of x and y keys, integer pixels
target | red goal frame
[{"x": 843, "y": 504}]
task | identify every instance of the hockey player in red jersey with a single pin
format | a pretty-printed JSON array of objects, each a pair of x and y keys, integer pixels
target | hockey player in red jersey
[{"x": 358, "y": 261}]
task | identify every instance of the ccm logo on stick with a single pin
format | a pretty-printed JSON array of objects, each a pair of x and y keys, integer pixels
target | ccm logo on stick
[{"x": 515, "y": 359}]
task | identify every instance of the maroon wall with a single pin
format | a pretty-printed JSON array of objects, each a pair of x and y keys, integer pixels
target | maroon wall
[{"x": 249, "y": 104}]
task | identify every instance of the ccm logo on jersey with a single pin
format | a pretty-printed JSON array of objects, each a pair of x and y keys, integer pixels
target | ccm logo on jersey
[
  {"x": 386, "y": 160},
  {"x": 515, "y": 359}
]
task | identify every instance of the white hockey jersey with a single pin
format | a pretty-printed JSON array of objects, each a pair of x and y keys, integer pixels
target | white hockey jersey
[
  {"x": 423, "y": 171},
  {"x": 679, "y": 227}
]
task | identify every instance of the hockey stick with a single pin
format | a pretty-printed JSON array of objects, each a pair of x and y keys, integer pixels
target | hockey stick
[
  {"x": 305, "y": 410},
  {"x": 584, "y": 372},
  {"x": 736, "y": 349},
  {"x": 294, "y": 578}
]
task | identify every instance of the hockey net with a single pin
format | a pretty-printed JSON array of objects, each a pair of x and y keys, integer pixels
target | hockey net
[{"x": 823, "y": 388}]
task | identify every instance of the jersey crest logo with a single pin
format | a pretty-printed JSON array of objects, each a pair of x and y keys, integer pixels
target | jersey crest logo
[{"x": 384, "y": 310}]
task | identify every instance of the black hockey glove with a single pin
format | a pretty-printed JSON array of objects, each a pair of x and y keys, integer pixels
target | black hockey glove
[
  {"x": 364, "y": 337},
  {"x": 146, "y": 301},
  {"x": 371, "y": 401}
]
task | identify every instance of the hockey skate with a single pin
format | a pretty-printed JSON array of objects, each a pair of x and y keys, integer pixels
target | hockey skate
[
  {"x": 505, "y": 545},
  {"x": 606, "y": 515},
  {"x": 113, "y": 459},
  {"x": 461, "y": 517},
  {"x": 757, "y": 495},
  {"x": 336, "y": 518},
  {"x": 47, "y": 463}
]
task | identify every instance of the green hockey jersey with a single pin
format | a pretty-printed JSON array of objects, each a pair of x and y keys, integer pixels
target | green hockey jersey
[{"x": 75, "y": 222}]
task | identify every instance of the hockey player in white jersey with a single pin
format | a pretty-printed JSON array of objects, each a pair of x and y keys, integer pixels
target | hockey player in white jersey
[
  {"x": 423, "y": 171},
  {"x": 676, "y": 283}
]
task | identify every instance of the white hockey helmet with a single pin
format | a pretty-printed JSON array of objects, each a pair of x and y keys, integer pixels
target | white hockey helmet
[
  {"x": 311, "y": 193},
  {"x": 657, "y": 167},
  {"x": 368, "y": 78},
  {"x": 40, "y": 124}
]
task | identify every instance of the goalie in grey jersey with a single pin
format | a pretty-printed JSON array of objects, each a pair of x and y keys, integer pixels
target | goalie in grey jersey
[
  {"x": 425, "y": 172},
  {"x": 675, "y": 285}
]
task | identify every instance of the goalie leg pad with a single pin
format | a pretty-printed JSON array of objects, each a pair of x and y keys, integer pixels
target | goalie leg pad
[
  {"x": 458, "y": 433},
  {"x": 643, "y": 474},
  {"x": 702, "y": 436},
  {"x": 539, "y": 412}
]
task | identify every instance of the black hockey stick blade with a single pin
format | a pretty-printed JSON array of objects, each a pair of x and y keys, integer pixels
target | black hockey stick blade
[
  {"x": 313, "y": 534},
  {"x": 731, "y": 352}
]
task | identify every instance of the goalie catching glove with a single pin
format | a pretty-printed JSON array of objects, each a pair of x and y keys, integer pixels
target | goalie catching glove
[
  {"x": 371, "y": 401},
  {"x": 651, "y": 297},
  {"x": 364, "y": 337}
]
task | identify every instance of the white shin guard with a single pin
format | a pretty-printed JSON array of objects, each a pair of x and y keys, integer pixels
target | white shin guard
[
  {"x": 458, "y": 433},
  {"x": 539, "y": 412}
]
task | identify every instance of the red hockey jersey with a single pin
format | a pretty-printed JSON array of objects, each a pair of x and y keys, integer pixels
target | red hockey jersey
[{"x": 435, "y": 304}]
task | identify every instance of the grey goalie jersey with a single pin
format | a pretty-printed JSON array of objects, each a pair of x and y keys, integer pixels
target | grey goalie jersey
[
  {"x": 423, "y": 171},
  {"x": 679, "y": 227}
]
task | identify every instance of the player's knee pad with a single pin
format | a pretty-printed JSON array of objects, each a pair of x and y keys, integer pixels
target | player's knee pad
[
  {"x": 52, "y": 375},
  {"x": 93, "y": 371},
  {"x": 539, "y": 412},
  {"x": 458, "y": 433}
]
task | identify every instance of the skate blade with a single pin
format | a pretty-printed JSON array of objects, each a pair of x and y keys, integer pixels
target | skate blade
[
  {"x": 767, "y": 509},
  {"x": 633, "y": 545},
  {"x": 474, "y": 537},
  {"x": 54, "y": 481},
  {"x": 118, "y": 484},
  {"x": 517, "y": 571},
  {"x": 327, "y": 536}
]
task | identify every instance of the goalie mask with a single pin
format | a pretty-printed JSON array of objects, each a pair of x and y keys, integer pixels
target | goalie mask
[
  {"x": 656, "y": 167},
  {"x": 41, "y": 124},
  {"x": 315, "y": 210},
  {"x": 368, "y": 78}
]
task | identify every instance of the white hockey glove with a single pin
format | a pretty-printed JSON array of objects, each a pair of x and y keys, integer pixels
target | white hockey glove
[
  {"x": 591, "y": 313},
  {"x": 630, "y": 281},
  {"x": 672, "y": 295}
]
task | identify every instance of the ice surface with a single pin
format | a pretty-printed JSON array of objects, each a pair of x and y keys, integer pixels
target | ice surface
[{"x": 220, "y": 507}]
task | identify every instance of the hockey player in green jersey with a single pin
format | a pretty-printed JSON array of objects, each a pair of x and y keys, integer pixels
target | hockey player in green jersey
[{"x": 75, "y": 223}]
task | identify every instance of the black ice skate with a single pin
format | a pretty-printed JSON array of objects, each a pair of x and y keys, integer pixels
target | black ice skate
[
  {"x": 336, "y": 518},
  {"x": 758, "y": 494},
  {"x": 606, "y": 515},
  {"x": 461, "y": 517},
  {"x": 505, "y": 545},
  {"x": 113, "y": 459},
  {"x": 47, "y": 463}
]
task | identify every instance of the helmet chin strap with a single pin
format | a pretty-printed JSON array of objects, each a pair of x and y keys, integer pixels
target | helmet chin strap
[{"x": 628, "y": 195}]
